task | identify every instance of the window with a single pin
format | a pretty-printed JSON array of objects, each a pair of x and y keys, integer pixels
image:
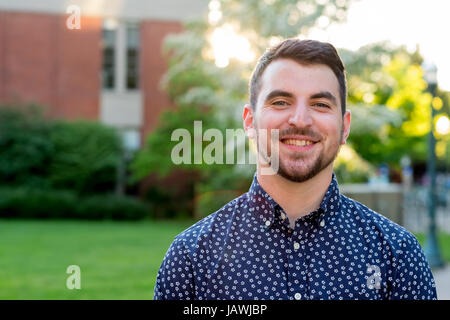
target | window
[
  {"x": 109, "y": 43},
  {"x": 132, "y": 57},
  {"x": 120, "y": 70}
]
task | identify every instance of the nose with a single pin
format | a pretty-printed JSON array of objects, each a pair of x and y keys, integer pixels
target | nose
[{"x": 300, "y": 116}]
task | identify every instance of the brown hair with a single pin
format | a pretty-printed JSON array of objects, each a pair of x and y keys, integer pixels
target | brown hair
[{"x": 305, "y": 52}]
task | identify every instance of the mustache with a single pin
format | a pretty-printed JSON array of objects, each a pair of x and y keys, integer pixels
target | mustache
[{"x": 297, "y": 131}]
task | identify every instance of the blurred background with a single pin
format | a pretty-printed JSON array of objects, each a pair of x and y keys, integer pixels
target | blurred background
[{"x": 91, "y": 91}]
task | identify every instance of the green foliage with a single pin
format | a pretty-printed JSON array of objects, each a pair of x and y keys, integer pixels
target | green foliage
[
  {"x": 351, "y": 167},
  {"x": 25, "y": 146},
  {"x": 23, "y": 202},
  {"x": 409, "y": 95},
  {"x": 170, "y": 203},
  {"x": 261, "y": 20},
  {"x": 42, "y": 153},
  {"x": 112, "y": 207},
  {"x": 85, "y": 158},
  {"x": 155, "y": 156},
  {"x": 370, "y": 119},
  {"x": 389, "y": 81},
  {"x": 51, "y": 169}
]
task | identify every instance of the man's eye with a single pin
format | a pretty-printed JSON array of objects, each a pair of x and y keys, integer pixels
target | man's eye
[
  {"x": 280, "y": 103},
  {"x": 321, "y": 105}
]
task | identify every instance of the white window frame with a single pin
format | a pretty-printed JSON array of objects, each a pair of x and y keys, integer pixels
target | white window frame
[{"x": 120, "y": 56}]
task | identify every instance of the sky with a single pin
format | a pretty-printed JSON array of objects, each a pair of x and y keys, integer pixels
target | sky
[{"x": 408, "y": 22}]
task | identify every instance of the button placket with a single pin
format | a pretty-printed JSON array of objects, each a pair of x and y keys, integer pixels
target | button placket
[{"x": 298, "y": 238}]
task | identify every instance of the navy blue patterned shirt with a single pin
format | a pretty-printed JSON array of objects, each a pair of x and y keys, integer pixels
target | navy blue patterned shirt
[{"x": 247, "y": 250}]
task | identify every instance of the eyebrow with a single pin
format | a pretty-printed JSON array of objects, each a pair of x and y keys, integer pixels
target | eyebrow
[
  {"x": 278, "y": 93},
  {"x": 326, "y": 95},
  {"x": 322, "y": 94}
]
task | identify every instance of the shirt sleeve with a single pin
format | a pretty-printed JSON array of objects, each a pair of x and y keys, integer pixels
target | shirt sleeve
[
  {"x": 175, "y": 280},
  {"x": 413, "y": 279}
]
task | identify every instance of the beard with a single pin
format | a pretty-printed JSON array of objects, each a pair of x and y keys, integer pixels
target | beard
[
  {"x": 299, "y": 170},
  {"x": 302, "y": 172}
]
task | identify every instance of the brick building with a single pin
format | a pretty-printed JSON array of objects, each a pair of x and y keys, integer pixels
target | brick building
[{"x": 108, "y": 70}]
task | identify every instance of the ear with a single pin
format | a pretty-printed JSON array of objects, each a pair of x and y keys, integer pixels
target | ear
[
  {"x": 247, "y": 118},
  {"x": 346, "y": 122}
]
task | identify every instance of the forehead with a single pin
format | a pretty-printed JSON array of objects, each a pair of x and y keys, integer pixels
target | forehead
[{"x": 289, "y": 75}]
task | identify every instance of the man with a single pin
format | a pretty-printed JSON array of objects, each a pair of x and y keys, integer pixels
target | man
[{"x": 293, "y": 235}]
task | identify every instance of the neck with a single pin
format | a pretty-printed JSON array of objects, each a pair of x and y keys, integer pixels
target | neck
[{"x": 297, "y": 198}]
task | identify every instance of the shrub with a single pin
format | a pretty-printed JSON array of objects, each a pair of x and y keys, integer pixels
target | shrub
[
  {"x": 112, "y": 207},
  {"x": 170, "y": 202},
  {"x": 36, "y": 152},
  {"x": 86, "y": 155},
  {"x": 25, "y": 146},
  {"x": 57, "y": 204},
  {"x": 36, "y": 203}
]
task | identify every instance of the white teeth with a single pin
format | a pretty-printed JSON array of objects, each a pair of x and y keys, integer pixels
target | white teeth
[{"x": 299, "y": 143}]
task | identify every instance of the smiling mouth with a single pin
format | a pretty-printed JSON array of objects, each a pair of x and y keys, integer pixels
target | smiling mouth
[{"x": 298, "y": 143}]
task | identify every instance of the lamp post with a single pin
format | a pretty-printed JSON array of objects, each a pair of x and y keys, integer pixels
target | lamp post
[{"x": 432, "y": 250}]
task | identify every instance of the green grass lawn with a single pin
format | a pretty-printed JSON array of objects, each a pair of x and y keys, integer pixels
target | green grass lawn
[{"x": 118, "y": 260}]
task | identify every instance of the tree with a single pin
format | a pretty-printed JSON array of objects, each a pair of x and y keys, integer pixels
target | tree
[{"x": 391, "y": 77}]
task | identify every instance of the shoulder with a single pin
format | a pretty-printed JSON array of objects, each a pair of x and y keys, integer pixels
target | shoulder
[
  {"x": 377, "y": 225},
  {"x": 410, "y": 276}
]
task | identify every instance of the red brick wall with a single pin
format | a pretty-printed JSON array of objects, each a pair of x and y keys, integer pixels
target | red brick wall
[
  {"x": 79, "y": 69},
  {"x": 153, "y": 67},
  {"x": 43, "y": 61}
]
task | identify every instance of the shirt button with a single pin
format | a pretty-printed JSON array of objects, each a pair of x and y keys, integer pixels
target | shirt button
[
  {"x": 267, "y": 223},
  {"x": 296, "y": 246},
  {"x": 322, "y": 223},
  {"x": 283, "y": 216},
  {"x": 298, "y": 296}
]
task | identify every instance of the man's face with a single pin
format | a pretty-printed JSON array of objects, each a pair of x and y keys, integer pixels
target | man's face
[{"x": 303, "y": 103}]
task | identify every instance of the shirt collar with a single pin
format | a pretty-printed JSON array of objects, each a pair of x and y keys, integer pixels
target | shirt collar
[
  {"x": 264, "y": 207},
  {"x": 331, "y": 203},
  {"x": 261, "y": 205}
]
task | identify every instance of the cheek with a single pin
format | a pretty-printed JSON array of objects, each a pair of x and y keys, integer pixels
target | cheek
[
  {"x": 329, "y": 126},
  {"x": 272, "y": 119}
]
